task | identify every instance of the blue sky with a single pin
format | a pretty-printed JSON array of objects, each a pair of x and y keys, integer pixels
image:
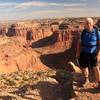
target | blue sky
[{"x": 30, "y": 9}]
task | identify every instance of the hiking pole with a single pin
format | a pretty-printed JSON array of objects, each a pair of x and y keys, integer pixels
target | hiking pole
[{"x": 77, "y": 61}]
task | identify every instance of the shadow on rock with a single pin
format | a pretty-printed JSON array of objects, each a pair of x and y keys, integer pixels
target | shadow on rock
[
  {"x": 45, "y": 90},
  {"x": 59, "y": 60},
  {"x": 22, "y": 92},
  {"x": 7, "y": 98},
  {"x": 91, "y": 90},
  {"x": 45, "y": 41},
  {"x": 53, "y": 91}
]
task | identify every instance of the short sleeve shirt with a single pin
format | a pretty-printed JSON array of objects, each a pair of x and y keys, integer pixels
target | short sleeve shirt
[{"x": 89, "y": 39}]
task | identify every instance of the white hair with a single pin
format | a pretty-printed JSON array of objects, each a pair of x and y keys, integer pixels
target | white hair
[{"x": 90, "y": 20}]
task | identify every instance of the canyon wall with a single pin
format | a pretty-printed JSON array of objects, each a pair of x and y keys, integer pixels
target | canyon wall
[{"x": 53, "y": 43}]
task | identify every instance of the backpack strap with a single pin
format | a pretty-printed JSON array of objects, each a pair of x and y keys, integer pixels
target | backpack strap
[{"x": 97, "y": 35}]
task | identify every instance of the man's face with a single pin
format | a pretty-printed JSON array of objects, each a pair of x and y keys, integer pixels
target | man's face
[{"x": 89, "y": 25}]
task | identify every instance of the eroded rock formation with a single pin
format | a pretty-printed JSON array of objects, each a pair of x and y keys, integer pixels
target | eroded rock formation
[
  {"x": 15, "y": 57},
  {"x": 54, "y": 41}
]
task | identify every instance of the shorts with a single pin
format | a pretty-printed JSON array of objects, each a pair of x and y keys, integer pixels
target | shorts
[{"x": 87, "y": 60}]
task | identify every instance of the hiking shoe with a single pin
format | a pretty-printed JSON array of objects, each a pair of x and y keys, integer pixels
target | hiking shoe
[
  {"x": 83, "y": 84},
  {"x": 86, "y": 83}
]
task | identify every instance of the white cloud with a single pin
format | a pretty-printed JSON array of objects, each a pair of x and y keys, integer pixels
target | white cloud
[
  {"x": 70, "y": 12},
  {"x": 6, "y": 5},
  {"x": 45, "y": 12},
  {"x": 43, "y": 4},
  {"x": 30, "y": 4}
]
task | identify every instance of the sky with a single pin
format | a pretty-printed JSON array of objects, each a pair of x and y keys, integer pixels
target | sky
[{"x": 33, "y": 9}]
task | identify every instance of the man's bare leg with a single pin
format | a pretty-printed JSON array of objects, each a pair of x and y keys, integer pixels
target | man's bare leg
[
  {"x": 97, "y": 75},
  {"x": 85, "y": 72}
]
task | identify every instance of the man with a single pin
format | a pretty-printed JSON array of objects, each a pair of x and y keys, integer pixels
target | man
[{"x": 87, "y": 50}]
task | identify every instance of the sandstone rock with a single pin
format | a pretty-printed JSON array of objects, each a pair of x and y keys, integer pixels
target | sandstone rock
[
  {"x": 16, "y": 58},
  {"x": 66, "y": 80}
]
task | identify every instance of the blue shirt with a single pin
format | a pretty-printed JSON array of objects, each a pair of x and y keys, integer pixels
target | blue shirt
[{"x": 89, "y": 39}]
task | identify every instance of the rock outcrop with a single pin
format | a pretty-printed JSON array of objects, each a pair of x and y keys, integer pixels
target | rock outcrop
[
  {"x": 15, "y": 57},
  {"x": 53, "y": 43}
]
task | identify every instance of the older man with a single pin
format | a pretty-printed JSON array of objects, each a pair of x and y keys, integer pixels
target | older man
[{"x": 87, "y": 49}]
